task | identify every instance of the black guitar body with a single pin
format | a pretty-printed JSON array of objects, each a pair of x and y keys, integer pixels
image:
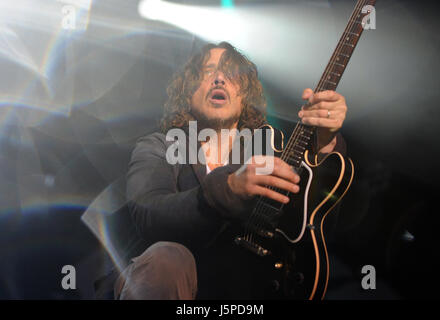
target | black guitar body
[{"x": 288, "y": 245}]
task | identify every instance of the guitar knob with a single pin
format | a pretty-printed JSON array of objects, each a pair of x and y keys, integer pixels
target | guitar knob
[
  {"x": 275, "y": 285},
  {"x": 298, "y": 277}
]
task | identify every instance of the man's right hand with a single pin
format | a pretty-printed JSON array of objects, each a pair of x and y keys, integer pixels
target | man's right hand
[{"x": 248, "y": 181}]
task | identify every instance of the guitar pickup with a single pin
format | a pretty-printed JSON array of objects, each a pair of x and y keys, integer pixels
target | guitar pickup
[
  {"x": 265, "y": 233},
  {"x": 253, "y": 247},
  {"x": 261, "y": 232}
]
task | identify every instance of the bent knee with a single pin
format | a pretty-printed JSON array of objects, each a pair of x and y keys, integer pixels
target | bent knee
[
  {"x": 165, "y": 261},
  {"x": 166, "y": 253},
  {"x": 164, "y": 270}
]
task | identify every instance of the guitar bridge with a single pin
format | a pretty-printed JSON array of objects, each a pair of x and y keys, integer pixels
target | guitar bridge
[
  {"x": 255, "y": 248},
  {"x": 263, "y": 233}
]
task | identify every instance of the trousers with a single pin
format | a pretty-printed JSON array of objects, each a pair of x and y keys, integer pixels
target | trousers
[{"x": 164, "y": 271}]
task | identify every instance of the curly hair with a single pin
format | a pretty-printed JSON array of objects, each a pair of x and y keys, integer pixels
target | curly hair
[{"x": 236, "y": 67}]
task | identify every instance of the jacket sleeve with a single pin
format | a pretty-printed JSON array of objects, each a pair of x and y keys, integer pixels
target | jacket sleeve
[
  {"x": 163, "y": 213},
  {"x": 340, "y": 146}
]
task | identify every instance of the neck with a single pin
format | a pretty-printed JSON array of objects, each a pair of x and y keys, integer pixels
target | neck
[{"x": 218, "y": 148}]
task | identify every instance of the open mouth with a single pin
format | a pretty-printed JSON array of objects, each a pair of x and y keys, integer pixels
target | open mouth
[{"x": 218, "y": 96}]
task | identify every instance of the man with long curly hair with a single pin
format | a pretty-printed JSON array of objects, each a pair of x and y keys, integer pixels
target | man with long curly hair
[{"x": 182, "y": 210}]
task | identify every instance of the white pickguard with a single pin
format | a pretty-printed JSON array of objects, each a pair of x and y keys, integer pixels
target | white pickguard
[{"x": 306, "y": 196}]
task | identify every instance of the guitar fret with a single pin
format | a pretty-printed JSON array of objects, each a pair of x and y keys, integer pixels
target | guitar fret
[
  {"x": 338, "y": 64},
  {"x": 264, "y": 217},
  {"x": 298, "y": 156},
  {"x": 270, "y": 206},
  {"x": 306, "y": 131},
  {"x": 298, "y": 152},
  {"x": 336, "y": 74},
  {"x": 295, "y": 163},
  {"x": 352, "y": 33},
  {"x": 333, "y": 83},
  {"x": 344, "y": 55},
  {"x": 294, "y": 157},
  {"x": 348, "y": 44}
]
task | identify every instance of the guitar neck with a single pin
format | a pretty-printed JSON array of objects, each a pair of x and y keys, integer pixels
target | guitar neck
[
  {"x": 345, "y": 47},
  {"x": 302, "y": 134}
]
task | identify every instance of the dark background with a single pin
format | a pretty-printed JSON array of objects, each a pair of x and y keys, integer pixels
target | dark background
[{"x": 73, "y": 104}]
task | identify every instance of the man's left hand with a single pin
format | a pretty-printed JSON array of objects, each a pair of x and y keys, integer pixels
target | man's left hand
[{"x": 325, "y": 110}]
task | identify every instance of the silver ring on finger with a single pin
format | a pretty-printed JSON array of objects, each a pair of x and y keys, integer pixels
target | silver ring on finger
[{"x": 328, "y": 114}]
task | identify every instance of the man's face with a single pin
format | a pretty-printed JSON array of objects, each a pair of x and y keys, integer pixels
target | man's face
[{"x": 217, "y": 100}]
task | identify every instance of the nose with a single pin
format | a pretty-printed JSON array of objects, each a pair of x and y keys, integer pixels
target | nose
[{"x": 219, "y": 79}]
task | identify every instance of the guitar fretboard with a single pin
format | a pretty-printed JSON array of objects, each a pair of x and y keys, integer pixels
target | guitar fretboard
[{"x": 301, "y": 137}]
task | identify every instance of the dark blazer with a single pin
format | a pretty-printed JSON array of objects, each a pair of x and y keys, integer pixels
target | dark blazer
[{"x": 177, "y": 202}]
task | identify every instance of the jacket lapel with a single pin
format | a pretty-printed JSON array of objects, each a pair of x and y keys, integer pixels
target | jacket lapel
[{"x": 198, "y": 168}]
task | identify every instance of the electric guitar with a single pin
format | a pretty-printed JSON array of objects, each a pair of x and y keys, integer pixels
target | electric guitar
[{"x": 290, "y": 239}]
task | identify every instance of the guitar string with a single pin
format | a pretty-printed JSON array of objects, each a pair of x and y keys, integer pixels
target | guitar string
[
  {"x": 294, "y": 137},
  {"x": 256, "y": 215},
  {"x": 353, "y": 24}
]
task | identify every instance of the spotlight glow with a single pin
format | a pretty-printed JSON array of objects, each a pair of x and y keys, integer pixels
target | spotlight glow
[
  {"x": 227, "y": 3},
  {"x": 272, "y": 35},
  {"x": 214, "y": 24}
]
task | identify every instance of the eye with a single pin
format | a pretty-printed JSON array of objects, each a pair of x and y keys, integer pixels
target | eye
[{"x": 209, "y": 72}]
